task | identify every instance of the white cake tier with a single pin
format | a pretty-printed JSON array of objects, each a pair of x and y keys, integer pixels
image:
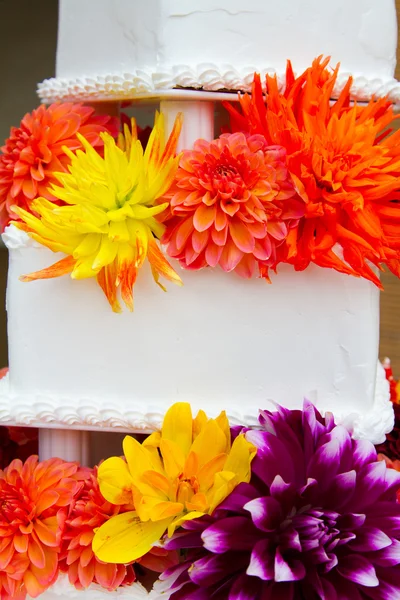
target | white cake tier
[
  {"x": 63, "y": 590},
  {"x": 113, "y": 49},
  {"x": 220, "y": 342}
]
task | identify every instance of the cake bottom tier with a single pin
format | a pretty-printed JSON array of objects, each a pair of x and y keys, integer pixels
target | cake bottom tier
[{"x": 63, "y": 590}]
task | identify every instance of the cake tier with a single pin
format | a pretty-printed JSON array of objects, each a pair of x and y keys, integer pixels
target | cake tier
[
  {"x": 220, "y": 342},
  {"x": 110, "y": 49},
  {"x": 63, "y": 590}
]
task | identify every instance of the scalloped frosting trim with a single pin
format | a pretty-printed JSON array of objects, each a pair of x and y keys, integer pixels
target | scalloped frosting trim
[
  {"x": 79, "y": 413},
  {"x": 202, "y": 77}
]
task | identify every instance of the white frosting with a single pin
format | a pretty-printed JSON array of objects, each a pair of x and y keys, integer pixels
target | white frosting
[
  {"x": 208, "y": 78},
  {"x": 219, "y": 342},
  {"x": 124, "y": 48},
  {"x": 63, "y": 590}
]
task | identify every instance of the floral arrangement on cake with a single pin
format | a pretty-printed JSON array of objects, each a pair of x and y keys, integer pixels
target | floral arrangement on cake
[
  {"x": 299, "y": 179},
  {"x": 293, "y": 509}
]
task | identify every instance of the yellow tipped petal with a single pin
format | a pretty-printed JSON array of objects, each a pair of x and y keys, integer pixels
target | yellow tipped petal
[
  {"x": 114, "y": 196},
  {"x": 115, "y": 481},
  {"x": 240, "y": 457},
  {"x": 177, "y": 426},
  {"x": 62, "y": 267},
  {"x": 124, "y": 538}
]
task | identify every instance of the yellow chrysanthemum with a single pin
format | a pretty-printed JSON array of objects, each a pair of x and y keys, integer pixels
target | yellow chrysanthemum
[
  {"x": 107, "y": 227},
  {"x": 180, "y": 473}
]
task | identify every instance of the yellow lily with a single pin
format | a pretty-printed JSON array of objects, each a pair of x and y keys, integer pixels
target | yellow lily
[
  {"x": 181, "y": 473},
  {"x": 107, "y": 227}
]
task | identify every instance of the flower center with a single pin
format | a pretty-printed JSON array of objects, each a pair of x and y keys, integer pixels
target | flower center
[
  {"x": 15, "y": 506},
  {"x": 186, "y": 488}
]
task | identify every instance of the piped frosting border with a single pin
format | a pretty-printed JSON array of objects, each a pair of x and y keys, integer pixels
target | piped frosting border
[
  {"x": 90, "y": 414},
  {"x": 202, "y": 77}
]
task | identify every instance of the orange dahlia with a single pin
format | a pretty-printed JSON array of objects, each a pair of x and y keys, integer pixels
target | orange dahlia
[
  {"x": 34, "y": 152},
  {"x": 232, "y": 204},
  {"x": 34, "y": 500},
  {"x": 346, "y": 170},
  {"x": 89, "y": 511}
]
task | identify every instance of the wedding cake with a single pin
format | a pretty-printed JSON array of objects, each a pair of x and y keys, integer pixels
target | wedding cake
[{"x": 266, "y": 238}]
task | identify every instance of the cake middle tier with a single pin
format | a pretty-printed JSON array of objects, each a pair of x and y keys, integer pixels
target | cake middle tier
[{"x": 220, "y": 342}]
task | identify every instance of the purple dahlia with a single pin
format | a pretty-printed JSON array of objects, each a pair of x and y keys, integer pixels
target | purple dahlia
[{"x": 318, "y": 521}]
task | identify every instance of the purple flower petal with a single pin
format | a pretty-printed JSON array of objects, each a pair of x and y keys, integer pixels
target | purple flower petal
[
  {"x": 350, "y": 522},
  {"x": 233, "y": 533},
  {"x": 326, "y": 457},
  {"x": 265, "y": 513},
  {"x": 363, "y": 453},
  {"x": 369, "y": 539},
  {"x": 285, "y": 572},
  {"x": 388, "y": 557},
  {"x": 213, "y": 568},
  {"x": 235, "y": 501},
  {"x": 261, "y": 561},
  {"x": 265, "y": 465},
  {"x": 245, "y": 588},
  {"x": 340, "y": 490},
  {"x": 358, "y": 569},
  {"x": 372, "y": 483}
]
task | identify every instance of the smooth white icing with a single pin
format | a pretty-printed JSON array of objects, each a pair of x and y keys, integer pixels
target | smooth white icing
[
  {"x": 119, "y": 47},
  {"x": 220, "y": 342}
]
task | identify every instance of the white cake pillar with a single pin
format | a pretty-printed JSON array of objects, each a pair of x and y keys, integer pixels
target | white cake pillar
[
  {"x": 198, "y": 120},
  {"x": 70, "y": 445}
]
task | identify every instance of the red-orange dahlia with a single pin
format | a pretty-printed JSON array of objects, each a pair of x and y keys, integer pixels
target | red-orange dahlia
[
  {"x": 345, "y": 169},
  {"x": 34, "y": 151},
  {"x": 34, "y": 500},
  {"x": 89, "y": 511},
  {"x": 232, "y": 204}
]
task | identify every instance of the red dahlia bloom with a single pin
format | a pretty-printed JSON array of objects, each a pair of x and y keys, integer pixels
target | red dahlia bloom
[
  {"x": 34, "y": 151},
  {"x": 346, "y": 170},
  {"x": 89, "y": 511},
  {"x": 232, "y": 204},
  {"x": 34, "y": 500}
]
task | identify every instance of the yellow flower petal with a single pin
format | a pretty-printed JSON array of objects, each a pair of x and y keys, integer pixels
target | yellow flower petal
[
  {"x": 173, "y": 458},
  {"x": 198, "y": 503},
  {"x": 164, "y": 510},
  {"x": 224, "y": 483},
  {"x": 177, "y": 426},
  {"x": 139, "y": 459},
  {"x": 115, "y": 481},
  {"x": 240, "y": 457},
  {"x": 199, "y": 422},
  {"x": 223, "y": 423},
  {"x": 124, "y": 538},
  {"x": 157, "y": 480},
  {"x": 178, "y": 522},
  {"x": 210, "y": 442},
  {"x": 206, "y": 474}
]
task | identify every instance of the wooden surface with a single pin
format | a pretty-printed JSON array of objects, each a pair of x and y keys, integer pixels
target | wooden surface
[{"x": 390, "y": 298}]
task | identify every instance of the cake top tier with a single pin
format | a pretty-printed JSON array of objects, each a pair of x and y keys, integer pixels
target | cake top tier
[{"x": 113, "y": 49}]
